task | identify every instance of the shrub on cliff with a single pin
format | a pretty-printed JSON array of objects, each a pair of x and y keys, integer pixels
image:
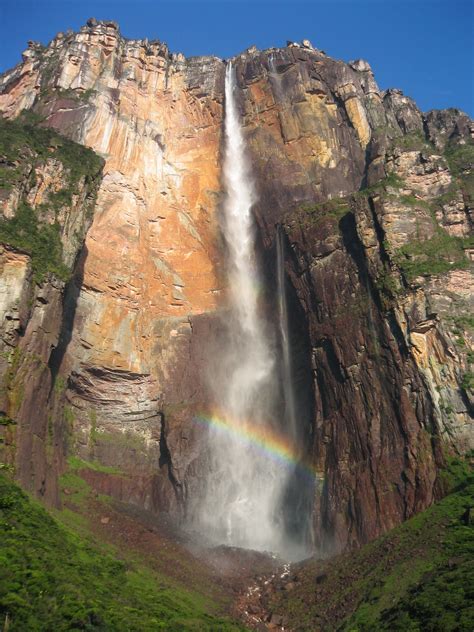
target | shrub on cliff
[
  {"x": 25, "y": 146},
  {"x": 41, "y": 241}
]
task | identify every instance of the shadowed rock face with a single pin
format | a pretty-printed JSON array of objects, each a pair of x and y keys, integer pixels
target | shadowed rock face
[{"x": 379, "y": 361}]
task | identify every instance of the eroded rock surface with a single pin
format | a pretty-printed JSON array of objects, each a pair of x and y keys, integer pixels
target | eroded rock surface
[
  {"x": 382, "y": 337},
  {"x": 47, "y": 204}
]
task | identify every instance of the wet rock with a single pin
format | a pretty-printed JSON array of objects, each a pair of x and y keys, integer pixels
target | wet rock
[{"x": 143, "y": 310}]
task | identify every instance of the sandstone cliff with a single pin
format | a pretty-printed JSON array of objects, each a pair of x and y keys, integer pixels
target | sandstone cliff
[
  {"x": 379, "y": 276},
  {"x": 49, "y": 187}
]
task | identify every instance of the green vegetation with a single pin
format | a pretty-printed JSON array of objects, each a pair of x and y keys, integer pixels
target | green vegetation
[
  {"x": 25, "y": 135},
  {"x": 41, "y": 241},
  {"x": 122, "y": 440},
  {"x": 467, "y": 382},
  {"x": 59, "y": 384},
  {"x": 54, "y": 579},
  {"x": 464, "y": 322},
  {"x": 388, "y": 286},
  {"x": 460, "y": 158},
  {"x": 437, "y": 255},
  {"x": 391, "y": 181},
  {"x": 411, "y": 200},
  {"x": 24, "y": 145},
  {"x": 442, "y": 252},
  {"x": 415, "y": 141},
  {"x": 6, "y": 421},
  {"x": 330, "y": 210},
  {"x": 74, "y": 94},
  {"x": 76, "y": 464},
  {"x": 419, "y": 577}
]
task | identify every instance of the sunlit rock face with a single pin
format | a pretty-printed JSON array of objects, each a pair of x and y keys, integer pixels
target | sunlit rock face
[
  {"x": 378, "y": 371},
  {"x": 149, "y": 263}
]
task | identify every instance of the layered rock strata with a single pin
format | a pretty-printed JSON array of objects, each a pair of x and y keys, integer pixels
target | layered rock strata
[
  {"x": 49, "y": 188},
  {"x": 382, "y": 344}
]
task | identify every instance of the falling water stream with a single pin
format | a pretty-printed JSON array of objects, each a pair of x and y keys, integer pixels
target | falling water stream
[
  {"x": 284, "y": 337},
  {"x": 246, "y": 484}
]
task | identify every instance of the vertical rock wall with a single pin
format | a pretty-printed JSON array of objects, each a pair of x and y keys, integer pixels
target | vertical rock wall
[
  {"x": 386, "y": 372},
  {"x": 47, "y": 203}
]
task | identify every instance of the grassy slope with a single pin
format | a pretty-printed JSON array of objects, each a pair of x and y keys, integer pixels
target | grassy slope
[
  {"x": 417, "y": 578},
  {"x": 54, "y": 579},
  {"x": 140, "y": 538}
]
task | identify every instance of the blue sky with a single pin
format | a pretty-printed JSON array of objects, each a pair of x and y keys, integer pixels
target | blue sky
[{"x": 424, "y": 47}]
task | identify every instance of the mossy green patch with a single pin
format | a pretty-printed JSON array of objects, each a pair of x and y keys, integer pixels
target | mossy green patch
[
  {"x": 73, "y": 94},
  {"x": 464, "y": 321},
  {"x": 75, "y": 464},
  {"x": 6, "y": 421},
  {"x": 21, "y": 135},
  {"x": 54, "y": 579},
  {"x": 391, "y": 181},
  {"x": 315, "y": 215},
  {"x": 41, "y": 241},
  {"x": 334, "y": 208},
  {"x": 437, "y": 255},
  {"x": 24, "y": 146},
  {"x": 388, "y": 286},
  {"x": 467, "y": 382},
  {"x": 414, "y": 141},
  {"x": 419, "y": 576},
  {"x": 460, "y": 158},
  {"x": 129, "y": 440}
]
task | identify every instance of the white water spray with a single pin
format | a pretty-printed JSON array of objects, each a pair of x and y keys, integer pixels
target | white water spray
[
  {"x": 252, "y": 475},
  {"x": 243, "y": 500}
]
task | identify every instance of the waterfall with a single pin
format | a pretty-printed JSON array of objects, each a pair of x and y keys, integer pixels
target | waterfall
[
  {"x": 242, "y": 503},
  {"x": 287, "y": 372},
  {"x": 252, "y": 457}
]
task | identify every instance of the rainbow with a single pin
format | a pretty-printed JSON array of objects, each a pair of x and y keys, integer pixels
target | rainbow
[{"x": 266, "y": 441}]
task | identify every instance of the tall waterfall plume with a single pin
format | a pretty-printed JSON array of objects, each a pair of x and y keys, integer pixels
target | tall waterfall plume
[{"x": 251, "y": 452}]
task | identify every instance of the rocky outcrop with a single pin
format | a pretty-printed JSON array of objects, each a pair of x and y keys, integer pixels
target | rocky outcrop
[
  {"x": 384, "y": 279},
  {"x": 149, "y": 273},
  {"x": 381, "y": 324},
  {"x": 47, "y": 204}
]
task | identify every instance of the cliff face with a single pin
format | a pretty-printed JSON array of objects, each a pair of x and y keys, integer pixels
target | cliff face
[
  {"x": 384, "y": 277},
  {"x": 49, "y": 186},
  {"x": 381, "y": 343},
  {"x": 149, "y": 278}
]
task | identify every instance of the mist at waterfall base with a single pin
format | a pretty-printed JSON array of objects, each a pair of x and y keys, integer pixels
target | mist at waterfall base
[{"x": 252, "y": 488}]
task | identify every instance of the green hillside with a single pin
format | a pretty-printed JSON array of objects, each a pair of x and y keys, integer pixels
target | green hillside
[
  {"x": 419, "y": 577},
  {"x": 52, "y": 579}
]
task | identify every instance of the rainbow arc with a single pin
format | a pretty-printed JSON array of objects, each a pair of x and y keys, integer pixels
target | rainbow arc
[{"x": 268, "y": 442}]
